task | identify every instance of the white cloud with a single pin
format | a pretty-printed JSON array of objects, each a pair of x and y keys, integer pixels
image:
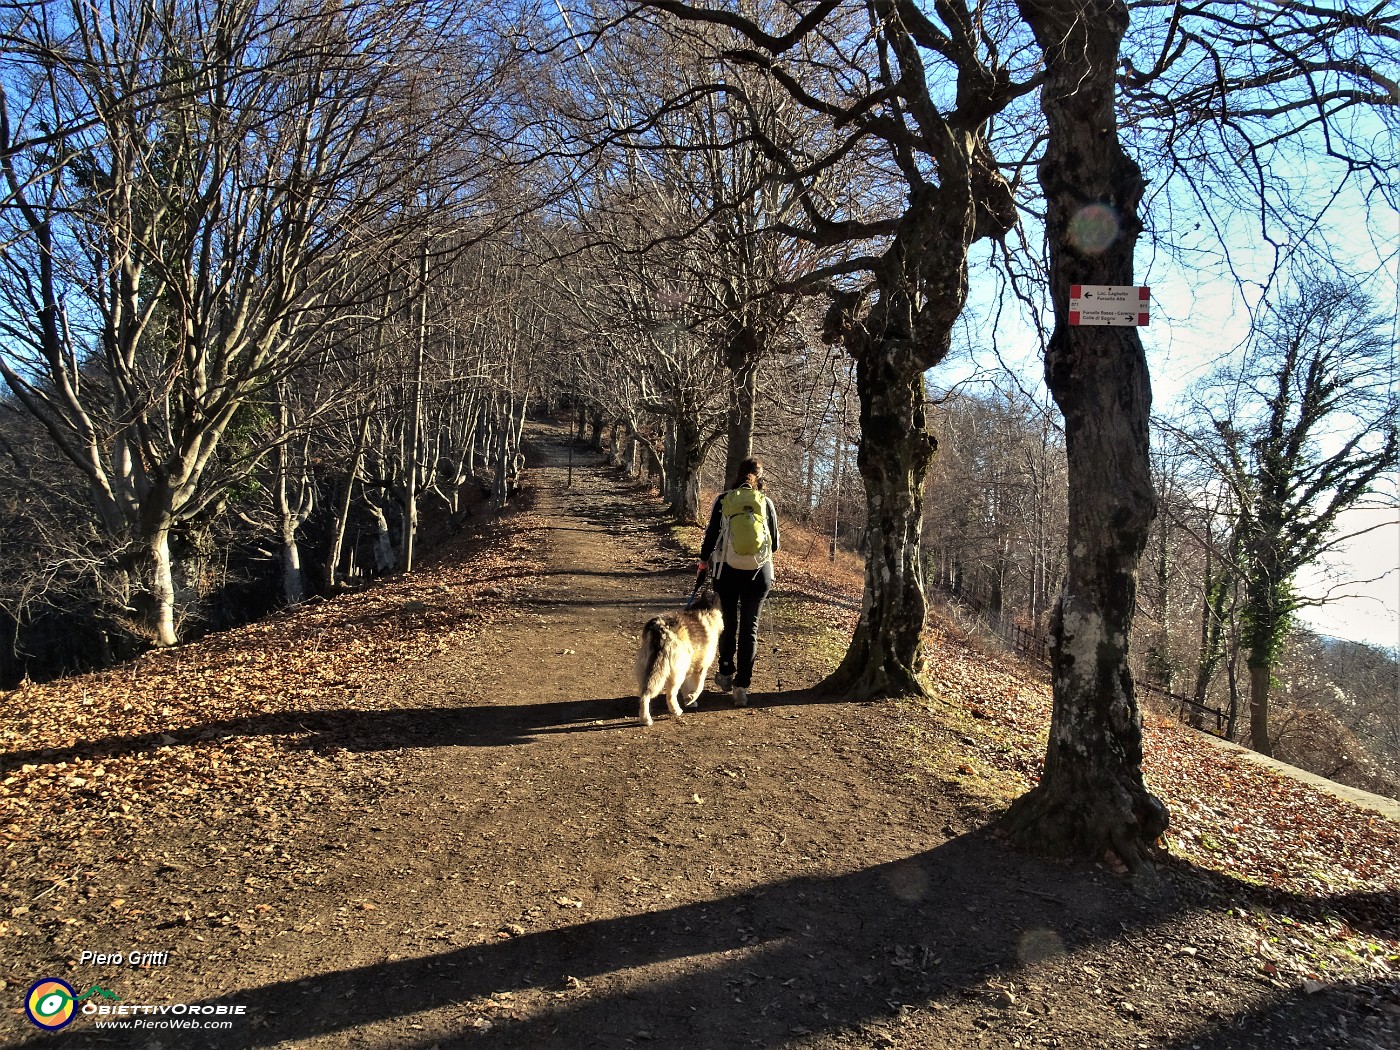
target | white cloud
[{"x": 1363, "y": 578}]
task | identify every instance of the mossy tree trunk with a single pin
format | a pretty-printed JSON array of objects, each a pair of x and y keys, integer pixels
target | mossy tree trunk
[
  {"x": 1091, "y": 797},
  {"x": 895, "y": 450}
]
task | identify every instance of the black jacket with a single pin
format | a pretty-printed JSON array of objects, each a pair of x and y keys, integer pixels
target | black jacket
[{"x": 712, "y": 531}]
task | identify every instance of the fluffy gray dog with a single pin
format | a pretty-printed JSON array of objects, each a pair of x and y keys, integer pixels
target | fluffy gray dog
[{"x": 676, "y": 653}]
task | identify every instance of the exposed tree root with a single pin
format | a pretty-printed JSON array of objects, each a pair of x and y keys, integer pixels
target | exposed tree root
[
  {"x": 870, "y": 673},
  {"x": 1126, "y": 821}
]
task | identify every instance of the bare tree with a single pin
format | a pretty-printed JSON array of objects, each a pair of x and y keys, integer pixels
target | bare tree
[
  {"x": 690, "y": 162},
  {"x": 188, "y": 187},
  {"x": 295, "y": 493},
  {"x": 1091, "y": 797},
  {"x": 1264, "y": 114},
  {"x": 865, "y": 68},
  {"x": 1302, "y": 433}
]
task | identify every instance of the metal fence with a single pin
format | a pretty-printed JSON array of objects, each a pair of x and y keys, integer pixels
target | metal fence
[{"x": 1029, "y": 643}]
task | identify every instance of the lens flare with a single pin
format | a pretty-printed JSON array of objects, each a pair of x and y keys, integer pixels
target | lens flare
[
  {"x": 1037, "y": 945},
  {"x": 907, "y": 881},
  {"x": 1093, "y": 228}
]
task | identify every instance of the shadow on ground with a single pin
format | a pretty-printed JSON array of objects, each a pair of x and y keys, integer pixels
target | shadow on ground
[
  {"x": 799, "y": 956},
  {"x": 1328, "y": 1017},
  {"x": 391, "y": 729},
  {"x": 849, "y": 953}
]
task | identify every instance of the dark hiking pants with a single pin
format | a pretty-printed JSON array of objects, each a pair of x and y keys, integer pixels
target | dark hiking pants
[{"x": 741, "y": 595}]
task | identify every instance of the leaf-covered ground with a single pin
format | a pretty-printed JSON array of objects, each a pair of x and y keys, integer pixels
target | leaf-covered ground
[
  {"x": 1314, "y": 856},
  {"x": 423, "y": 815}
]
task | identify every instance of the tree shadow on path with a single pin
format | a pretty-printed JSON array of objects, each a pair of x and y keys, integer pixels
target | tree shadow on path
[
  {"x": 811, "y": 954},
  {"x": 391, "y": 729},
  {"x": 808, "y": 954},
  {"x": 1363, "y": 1015}
]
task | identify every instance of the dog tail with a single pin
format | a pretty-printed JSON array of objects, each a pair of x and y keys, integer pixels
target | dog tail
[{"x": 655, "y": 639}]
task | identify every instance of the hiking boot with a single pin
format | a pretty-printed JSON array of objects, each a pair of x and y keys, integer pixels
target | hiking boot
[
  {"x": 741, "y": 697},
  {"x": 724, "y": 682},
  {"x": 692, "y": 703}
]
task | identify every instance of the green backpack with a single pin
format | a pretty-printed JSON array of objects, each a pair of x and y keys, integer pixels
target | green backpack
[{"x": 745, "y": 540}]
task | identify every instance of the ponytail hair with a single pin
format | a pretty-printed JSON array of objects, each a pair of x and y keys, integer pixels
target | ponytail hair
[{"x": 748, "y": 468}]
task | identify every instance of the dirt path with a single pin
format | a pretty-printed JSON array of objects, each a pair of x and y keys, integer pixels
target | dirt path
[{"x": 518, "y": 864}]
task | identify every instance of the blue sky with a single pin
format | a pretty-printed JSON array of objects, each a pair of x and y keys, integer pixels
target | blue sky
[{"x": 1199, "y": 321}]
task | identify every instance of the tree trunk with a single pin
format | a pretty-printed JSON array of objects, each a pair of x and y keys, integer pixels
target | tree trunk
[
  {"x": 997, "y": 600},
  {"x": 653, "y": 463},
  {"x": 342, "y": 510},
  {"x": 1091, "y": 797},
  {"x": 739, "y": 445},
  {"x": 342, "y": 515},
  {"x": 1232, "y": 683},
  {"x": 293, "y": 588},
  {"x": 156, "y": 603},
  {"x": 415, "y": 432},
  {"x": 613, "y": 457},
  {"x": 894, "y": 454},
  {"x": 291, "y": 513},
  {"x": 741, "y": 356},
  {"x": 922, "y": 282},
  {"x": 837, "y": 463},
  {"x": 1267, "y": 610},
  {"x": 1260, "y": 677},
  {"x": 1161, "y": 664},
  {"x": 384, "y": 556},
  {"x": 342, "y": 519},
  {"x": 687, "y": 457},
  {"x": 500, "y": 483},
  {"x": 1211, "y": 648}
]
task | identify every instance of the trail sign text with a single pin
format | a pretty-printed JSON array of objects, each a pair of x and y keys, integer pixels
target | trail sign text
[{"x": 1116, "y": 304}]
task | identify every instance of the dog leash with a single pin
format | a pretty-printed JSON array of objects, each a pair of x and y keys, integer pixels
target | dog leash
[{"x": 699, "y": 581}]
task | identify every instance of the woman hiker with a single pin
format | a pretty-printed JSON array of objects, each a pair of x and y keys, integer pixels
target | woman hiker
[{"x": 738, "y": 547}]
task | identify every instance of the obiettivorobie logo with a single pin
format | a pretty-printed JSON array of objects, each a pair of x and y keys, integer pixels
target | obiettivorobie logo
[{"x": 52, "y": 1004}]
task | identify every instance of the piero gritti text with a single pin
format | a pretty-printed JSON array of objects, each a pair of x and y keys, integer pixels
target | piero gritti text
[{"x": 88, "y": 958}]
